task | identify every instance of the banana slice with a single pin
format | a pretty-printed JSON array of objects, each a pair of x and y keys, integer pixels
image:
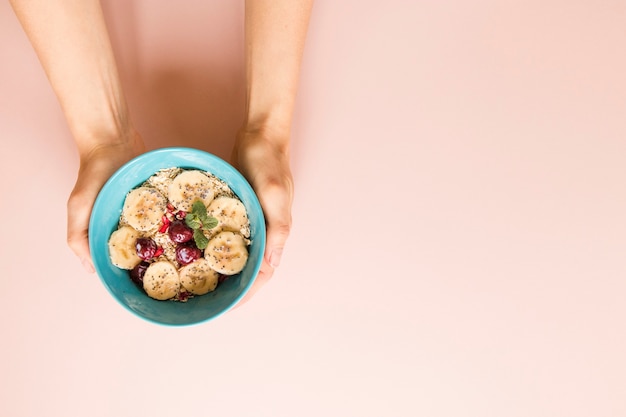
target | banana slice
[
  {"x": 144, "y": 208},
  {"x": 122, "y": 248},
  {"x": 231, "y": 215},
  {"x": 161, "y": 280},
  {"x": 227, "y": 253},
  {"x": 198, "y": 277},
  {"x": 189, "y": 186}
]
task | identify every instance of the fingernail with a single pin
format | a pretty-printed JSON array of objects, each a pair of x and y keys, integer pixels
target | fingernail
[
  {"x": 275, "y": 257},
  {"x": 88, "y": 265}
]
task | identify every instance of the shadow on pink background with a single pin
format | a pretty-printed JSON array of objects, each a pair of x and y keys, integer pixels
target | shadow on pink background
[
  {"x": 183, "y": 91},
  {"x": 459, "y": 222}
]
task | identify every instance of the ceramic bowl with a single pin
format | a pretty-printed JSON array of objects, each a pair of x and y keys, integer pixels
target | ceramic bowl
[{"x": 105, "y": 217}]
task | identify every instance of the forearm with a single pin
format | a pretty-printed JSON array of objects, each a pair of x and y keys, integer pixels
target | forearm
[
  {"x": 275, "y": 33},
  {"x": 71, "y": 40}
]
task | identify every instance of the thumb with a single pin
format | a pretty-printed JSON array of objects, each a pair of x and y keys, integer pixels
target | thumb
[
  {"x": 277, "y": 209},
  {"x": 78, "y": 212},
  {"x": 276, "y": 238}
]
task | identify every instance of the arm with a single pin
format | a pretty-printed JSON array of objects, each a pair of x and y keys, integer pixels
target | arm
[
  {"x": 275, "y": 37},
  {"x": 72, "y": 43}
]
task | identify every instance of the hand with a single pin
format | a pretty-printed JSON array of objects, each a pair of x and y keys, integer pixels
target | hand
[
  {"x": 262, "y": 157},
  {"x": 73, "y": 46},
  {"x": 96, "y": 166},
  {"x": 274, "y": 40}
]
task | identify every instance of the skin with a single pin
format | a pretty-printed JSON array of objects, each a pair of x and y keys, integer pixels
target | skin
[
  {"x": 72, "y": 42},
  {"x": 275, "y": 33}
]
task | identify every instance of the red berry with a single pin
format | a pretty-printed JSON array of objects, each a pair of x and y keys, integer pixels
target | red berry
[
  {"x": 159, "y": 252},
  {"x": 146, "y": 248},
  {"x": 179, "y": 232},
  {"x": 187, "y": 253},
  {"x": 137, "y": 273}
]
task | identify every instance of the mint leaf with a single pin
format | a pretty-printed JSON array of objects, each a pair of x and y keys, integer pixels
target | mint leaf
[
  {"x": 198, "y": 208},
  {"x": 204, "y": 217},
  {"x": 199, "y": 220},
  {"x": 200, "y": 239},
  {"x": 210, "y": 222},
  {"x": 192, "y": 221}
]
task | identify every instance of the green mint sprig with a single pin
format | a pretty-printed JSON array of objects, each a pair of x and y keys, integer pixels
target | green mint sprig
[{"x": 199, "y": 220}]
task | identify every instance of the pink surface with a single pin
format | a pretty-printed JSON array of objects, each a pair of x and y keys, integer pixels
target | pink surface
[{"x": 459, "y": 233}]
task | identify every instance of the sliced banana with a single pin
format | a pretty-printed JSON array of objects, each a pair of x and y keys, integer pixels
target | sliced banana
[
  {"x": 161, "y": 280},
  {"x": 198, "y": 277},
  {"x": 189, "y": 186},
  {"x": 122, "y": 248},
  {"x": 227, "y": 253},
  {"x": 231, "y": 215},
  {"x": 144, "y": 208}
]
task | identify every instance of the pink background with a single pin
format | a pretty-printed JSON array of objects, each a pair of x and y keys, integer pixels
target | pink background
[{"x": 459, "y": 236}]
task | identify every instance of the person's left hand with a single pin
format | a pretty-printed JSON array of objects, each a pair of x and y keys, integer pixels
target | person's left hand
[{"x": 262, "y": 157}]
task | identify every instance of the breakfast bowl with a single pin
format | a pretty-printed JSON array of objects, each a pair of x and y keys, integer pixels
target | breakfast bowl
[{"x": 105, "y": 219}]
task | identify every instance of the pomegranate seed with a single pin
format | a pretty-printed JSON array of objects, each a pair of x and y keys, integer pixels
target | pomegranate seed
[
  {"x": 166, "y": 224},
  {"x": 158, "y": 252},
  {"x": 183, "y": 296},
  {"x": 170, "y": 207},
  {"x": 181, "y": 215}
]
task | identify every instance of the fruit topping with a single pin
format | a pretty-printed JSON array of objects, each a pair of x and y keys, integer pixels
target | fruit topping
[
  {"x": 146, "y": 248},
  {"x": 187, "y": 253},
  {"x": 179, "y": 232},
  {"x": 166, "y": 222},
  {"x": 137, "y": 273}
]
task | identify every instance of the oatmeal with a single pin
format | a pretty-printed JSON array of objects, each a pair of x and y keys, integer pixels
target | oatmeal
[{"x": 181, "y": 233}]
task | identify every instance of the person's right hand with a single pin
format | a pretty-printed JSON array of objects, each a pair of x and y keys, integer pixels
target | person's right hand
[{"x": 96, "y": 166}]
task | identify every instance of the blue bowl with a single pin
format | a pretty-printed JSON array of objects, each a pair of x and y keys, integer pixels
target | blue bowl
[{"x": 104, "y": 220}]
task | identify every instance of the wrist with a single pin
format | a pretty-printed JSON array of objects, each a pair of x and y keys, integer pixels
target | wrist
[
  {"x": 104, "y": 124},
  {"x": 94, "y": 142},
  {"x": 267, "y": 132},
  {"x": 273, "y": 120},
  {"x": 105, "y": 121}
]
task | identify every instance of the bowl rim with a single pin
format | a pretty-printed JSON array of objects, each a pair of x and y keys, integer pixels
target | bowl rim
[{"x": 260, "y": 235}]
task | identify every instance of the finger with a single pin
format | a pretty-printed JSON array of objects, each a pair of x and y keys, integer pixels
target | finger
[
  {"x": 78, "y": 212},
  {"x": 277, "y": 234},
  {"x": 276, "y": 203}
]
